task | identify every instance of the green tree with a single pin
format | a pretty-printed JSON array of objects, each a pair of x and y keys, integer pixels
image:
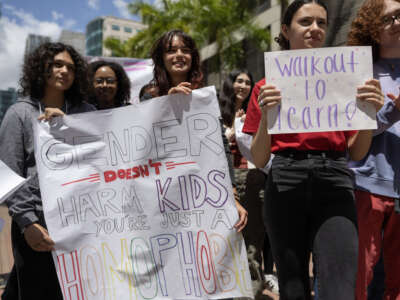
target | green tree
[{"x": 224, "y": 22}]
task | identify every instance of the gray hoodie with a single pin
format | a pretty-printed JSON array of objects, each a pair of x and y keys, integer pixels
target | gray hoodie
[{"x": 16, "y": 151}]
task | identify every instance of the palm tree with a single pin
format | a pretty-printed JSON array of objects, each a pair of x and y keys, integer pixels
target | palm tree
[{"x": 224, "y": 22}]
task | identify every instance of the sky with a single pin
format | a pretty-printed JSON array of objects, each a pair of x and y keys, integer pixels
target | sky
[{"x": 45, "y": 17}]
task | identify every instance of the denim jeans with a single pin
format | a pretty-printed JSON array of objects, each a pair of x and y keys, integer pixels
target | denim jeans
[{"x": 309, "y": 206}]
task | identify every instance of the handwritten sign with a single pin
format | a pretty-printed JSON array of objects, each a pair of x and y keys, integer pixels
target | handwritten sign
[
  {"x": 139, "y": 202},
  {"x": 318, "y": 88}
]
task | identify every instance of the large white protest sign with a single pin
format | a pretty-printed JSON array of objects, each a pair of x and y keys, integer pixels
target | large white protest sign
[
  {"x": 10, "y": 181},
  {"x": 139, "y": 202},
  {"x": 318, "y": 88}
]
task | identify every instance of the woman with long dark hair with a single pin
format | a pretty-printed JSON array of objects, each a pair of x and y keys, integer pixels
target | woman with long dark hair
[
  {"x": 177, "y": 70},
  {"x": 109, "y": 86},
  {"x": 309, "y": 204},
  {"x": 53, "y": 83},
  {"x": 250, "y": 181}
]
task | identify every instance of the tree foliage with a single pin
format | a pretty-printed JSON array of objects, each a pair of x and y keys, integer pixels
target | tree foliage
[{"x": 207, "y": 21}]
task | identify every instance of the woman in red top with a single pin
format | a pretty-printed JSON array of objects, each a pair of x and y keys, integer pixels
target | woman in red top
[{"x": 309, "y": 201}]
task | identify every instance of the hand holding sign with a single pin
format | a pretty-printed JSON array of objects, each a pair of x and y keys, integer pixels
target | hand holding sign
[
  {"x": 38, "y": 238},
  {"x": 319, "y": 90},
  {"x": 371, "y": 92},
  {"x": 269, "y": 97}
]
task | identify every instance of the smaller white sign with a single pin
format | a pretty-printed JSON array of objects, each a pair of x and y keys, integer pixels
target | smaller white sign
[
  {"x": 319, "y": 88},
  {"x": 10, "y": 181}
]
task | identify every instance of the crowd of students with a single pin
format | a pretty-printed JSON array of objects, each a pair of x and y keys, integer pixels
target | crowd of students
[{"x": 333, "y": 194}]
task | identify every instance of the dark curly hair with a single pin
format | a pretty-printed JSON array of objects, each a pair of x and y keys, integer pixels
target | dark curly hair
[
  {"x": 365, "y": 28},
  {"x": 161, "y": 77},
  {"x": 288, "y": 17},
  {"x": 123, "y": 94},
  {"x": 37, "y": 69},
  {"x": 227, "y": 98}
]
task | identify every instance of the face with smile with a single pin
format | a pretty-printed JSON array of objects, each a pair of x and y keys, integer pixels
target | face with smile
[
  {"x": 105, "y": 86},
  {"x": 177, "y": 58},
  {"x": 308, "y": 27},
  {"x": 389, "y": 35},
  {"x": 62, "y": 72},
  {"x": 242, "y": 86}
]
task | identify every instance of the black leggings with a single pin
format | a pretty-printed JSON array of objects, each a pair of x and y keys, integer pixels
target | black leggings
[
  {"x": 34, "y": 275},
  {"x": 309, "y": 204}
]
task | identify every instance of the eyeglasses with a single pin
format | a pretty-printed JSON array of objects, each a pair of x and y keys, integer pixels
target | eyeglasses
[
  {"x": 107, "y": 80},
  {"x": 388, "y": 21}
]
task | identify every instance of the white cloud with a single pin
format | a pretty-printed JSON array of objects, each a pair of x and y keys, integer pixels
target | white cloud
[
  {"x": 15, "y": 26},
  {"x": 122, "y": 7},
  {"x": 69, "y": 23},
  {"x": 93, "y": 4},
  {"x": 56, "y": 16}
]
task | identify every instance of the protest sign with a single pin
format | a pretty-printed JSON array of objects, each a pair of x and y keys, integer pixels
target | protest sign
[
  {"x": 318, "y": 88},
  {"x": 139, "y": 202},
  {"x": 139, "y": 71},
  {"x": 10, "y": 181}
]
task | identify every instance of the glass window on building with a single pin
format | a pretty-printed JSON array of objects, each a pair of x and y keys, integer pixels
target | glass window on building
[
  {"x": 128, "y": 29},
  {"x": 115, "y": 27}
]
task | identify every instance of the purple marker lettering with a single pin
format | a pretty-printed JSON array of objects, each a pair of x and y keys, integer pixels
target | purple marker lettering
[
  {"x": 307, "y": 118},
  {"x": 286, "y": 69},
  {"x": 314, "y": 67},
  {"x": 333, "y": 110},
  {"x": 291, "y": 111}
]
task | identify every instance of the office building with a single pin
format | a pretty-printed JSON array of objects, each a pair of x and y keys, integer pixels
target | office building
[
  {"x": 98, "y": 30},
  {"x": 7, "y": 98},
  {"x": 74, "y": 39},
  {"x": 33, "y": 41}
]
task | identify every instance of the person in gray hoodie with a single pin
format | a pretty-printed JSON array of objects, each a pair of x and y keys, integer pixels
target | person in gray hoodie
[
  {"x": 53, "y": 83},
  {"x": 377, "y": 184}
]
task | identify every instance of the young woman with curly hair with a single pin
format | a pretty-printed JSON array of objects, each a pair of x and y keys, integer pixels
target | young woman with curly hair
[
  {"x": 377, "y": 184},
  {"x": 53, "y": 83},
  {"x": 109, "y": 86},
  {"x": 177, "y": 70},
  {"x": 309, "y": 203}
]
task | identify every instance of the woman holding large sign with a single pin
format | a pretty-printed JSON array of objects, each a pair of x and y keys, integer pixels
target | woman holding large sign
[
  {"x": 177, "y": 70},
  {"x": 309, "y": 201},
  {"x": 53, "y": 83}
]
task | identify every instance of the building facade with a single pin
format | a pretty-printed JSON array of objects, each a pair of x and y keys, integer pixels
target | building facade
[
  {"x": 33, "y": 41},
  {"x": 98, "y": 30},
  {"x": 74, "y": 39},
  {"x": 7, "y": 98}
]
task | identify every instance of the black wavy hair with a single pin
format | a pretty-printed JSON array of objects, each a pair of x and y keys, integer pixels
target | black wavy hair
[
  {"x": 288, "y": 17},
  {"x": 161, "y": 77},
  {"x": 37, "y": 69},
  {"x": 123, "y": 94},
  {"x": 227, "y": 98}
]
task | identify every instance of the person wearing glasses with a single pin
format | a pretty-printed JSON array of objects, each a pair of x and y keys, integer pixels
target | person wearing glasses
[
  {"x": 377, "y": 176},
  {"x": 109, "y": 86},
  {"x": 53, "y": 83}
]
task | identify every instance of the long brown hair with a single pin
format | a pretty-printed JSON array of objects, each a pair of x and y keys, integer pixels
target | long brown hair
[{"x": 161, "y": 77}]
